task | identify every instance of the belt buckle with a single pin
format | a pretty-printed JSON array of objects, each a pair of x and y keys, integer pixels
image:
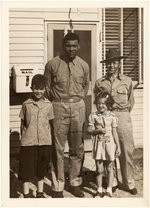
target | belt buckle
[{"x": 70, "y": 100}]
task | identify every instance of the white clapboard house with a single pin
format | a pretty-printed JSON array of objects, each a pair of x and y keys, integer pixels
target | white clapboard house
[{"x": 35, "y": 37}]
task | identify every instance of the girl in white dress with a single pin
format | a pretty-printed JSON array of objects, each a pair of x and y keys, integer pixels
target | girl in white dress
[{"x": 102, "y": 126}]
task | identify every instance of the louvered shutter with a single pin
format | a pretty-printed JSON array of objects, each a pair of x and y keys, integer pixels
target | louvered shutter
[
  {"x": 130, "y": 42},
  {"x": 111, "y": 26},
  {"x": 120, "y": 30}
]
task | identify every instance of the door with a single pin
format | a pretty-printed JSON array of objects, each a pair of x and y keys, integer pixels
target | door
[{"x": 87, "y": 52}]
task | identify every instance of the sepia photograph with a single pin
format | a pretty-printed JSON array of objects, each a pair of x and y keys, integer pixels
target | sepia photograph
[{"x": 75, "y": 85}]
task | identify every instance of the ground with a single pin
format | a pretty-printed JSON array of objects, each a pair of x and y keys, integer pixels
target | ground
[{"x": 89, "y": 182}]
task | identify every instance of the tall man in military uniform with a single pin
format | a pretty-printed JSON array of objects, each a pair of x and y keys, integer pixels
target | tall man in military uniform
[{"x": 67, "y": 85}]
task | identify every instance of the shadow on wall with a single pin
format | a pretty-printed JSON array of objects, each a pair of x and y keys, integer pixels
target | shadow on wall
[
  {"x": 14, "y": 147},
  {"x": 17, "y": 98},
  {"x": 14, "y": 143}
]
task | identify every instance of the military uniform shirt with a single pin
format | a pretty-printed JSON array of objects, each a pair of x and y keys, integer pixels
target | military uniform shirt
[
  {"x": 66, "y": 80},
  {"x": 121, "y": 90}
]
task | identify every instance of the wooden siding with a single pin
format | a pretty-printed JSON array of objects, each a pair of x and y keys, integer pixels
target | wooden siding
[
  {"x": 137, "y": 117},
  {"x": 26, "y": 31},
  {"x": 56, "y": 14},
  {"x": 26, "y": 38}
]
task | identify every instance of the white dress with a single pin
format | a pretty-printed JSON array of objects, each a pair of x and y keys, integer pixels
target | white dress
[{"x": 103, "y": 145}]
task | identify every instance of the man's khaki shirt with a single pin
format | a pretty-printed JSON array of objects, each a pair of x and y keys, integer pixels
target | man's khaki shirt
[
  {"x": 66, "y": 80},
  {"x": 121, "y": 90}
]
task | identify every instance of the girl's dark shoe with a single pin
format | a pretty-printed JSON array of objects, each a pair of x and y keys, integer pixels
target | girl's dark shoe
[
  {"x": 40, "y": 195},
  {"x": 26, "y": 195},
  {"x": 99, "y": 194}
]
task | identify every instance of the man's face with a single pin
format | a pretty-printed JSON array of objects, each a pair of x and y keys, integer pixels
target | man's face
[
  {"x": 113, "y": 67},
  {"x": 70, "y": 48}
]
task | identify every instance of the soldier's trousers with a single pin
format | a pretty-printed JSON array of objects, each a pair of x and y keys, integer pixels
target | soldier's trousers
[
  {"x": 125, "y": 134},
  {"x": 68, "y": 126}
]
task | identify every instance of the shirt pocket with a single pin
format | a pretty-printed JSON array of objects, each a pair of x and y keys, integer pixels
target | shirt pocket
[
  {"x": 60, "y": 81},
  {"x": 78, "y": 84},
  {"x": 122, "y": 94},
  {"x": 79, "y": 80}
]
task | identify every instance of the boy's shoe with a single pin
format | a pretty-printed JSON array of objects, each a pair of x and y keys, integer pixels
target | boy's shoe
[
  {"x": 40, "y": 195},
  {"x": 57, "y": 194},
  {"x": 26, "y": 195},
  {"x": 132, "y": 191},
  {"x": 99, "y": 194},
  {"x": 76, "y": 191},
  {"x": 108, "y": 195}
]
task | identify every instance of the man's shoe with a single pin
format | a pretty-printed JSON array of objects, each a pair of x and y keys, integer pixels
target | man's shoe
[
  {"x": 76, "y": 191},
  {"x": 57, "y": 194},
  {"x": 132, "y": 191}
]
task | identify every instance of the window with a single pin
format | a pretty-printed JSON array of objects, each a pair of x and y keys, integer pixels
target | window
[{"x": 122, "y": 29}]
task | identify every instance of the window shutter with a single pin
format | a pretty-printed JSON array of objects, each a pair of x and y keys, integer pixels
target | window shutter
[
  {"x": 120, "y": 30},
  {"x": 111, "y": 27},
  {"x": 130, "y": 42}
]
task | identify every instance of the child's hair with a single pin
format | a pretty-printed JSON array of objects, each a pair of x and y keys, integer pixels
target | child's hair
[
  {"x": 71, "y": 36},
  {"x": 39, "y": 81},
  {"x": 109, "y": 99}
]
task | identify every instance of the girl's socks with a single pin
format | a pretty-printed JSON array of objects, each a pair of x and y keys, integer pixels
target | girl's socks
[
  {"x": 109, "y": 190},
  {"x": 100, "y": 189}
]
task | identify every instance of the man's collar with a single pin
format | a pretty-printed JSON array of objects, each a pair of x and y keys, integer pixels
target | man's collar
[
  {"x": 107, "y": 76},
  {"x": 64, "y": 58}
]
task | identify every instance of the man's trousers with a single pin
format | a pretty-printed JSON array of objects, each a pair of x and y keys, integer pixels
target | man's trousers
[
  {"x": 125, "y": 134},
  {"x": 68, "y": 126}
]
